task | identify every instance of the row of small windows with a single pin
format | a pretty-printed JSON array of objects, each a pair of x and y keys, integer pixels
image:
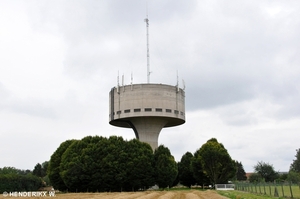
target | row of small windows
[{"x": 150, "y": 110}]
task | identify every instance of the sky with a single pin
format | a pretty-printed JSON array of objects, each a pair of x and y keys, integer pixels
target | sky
[{"x": 240, "y": 61}]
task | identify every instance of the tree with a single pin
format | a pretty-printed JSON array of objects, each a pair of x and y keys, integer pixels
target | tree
[
  {"x": 240, "y": 174},
  {"x": 12, "y": 179},
  {"x": 9, "y": 170},
  {"x": 185, "y": 170},
  {"x": 255, "y": 178},
  {"x": 40, "y": 170},
  {"x": 54, "y": 166},
  {"x": 113, "y": 164},
  {"x": 176, "y": 181},
  {"x": 266, "y": 171},
  {"x": 45, "y": 168},
  {"x": 37, "y": 171},
  {"x": 216, "y": 162},
  {"x": 198, "y": 172},
  {"x": 139, "y": 165},
  {"x": 165, "y": 167},
  {"x": 77, "y": 165},
  {"x": 293, "y": 177},
  {"x": 295, "y": 166}
]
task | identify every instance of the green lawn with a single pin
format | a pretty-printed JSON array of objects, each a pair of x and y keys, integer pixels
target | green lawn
[
  {"x": 243, "y": 195},
  {"x": 270, "y": 190},
  {"x": 263, "y": 192}
]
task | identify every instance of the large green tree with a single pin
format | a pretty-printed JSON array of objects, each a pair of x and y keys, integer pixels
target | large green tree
[
  {"x": 266, "y": 171},
  {"x": 185, "y": 170},
  {"x": 216, "y": 162},
  {"x": 165, "y": 167},
  {"x": 53, "y": 170},
  {"x": 198, "y": 172},
  {"x": 77, "y": 166},
  {"x": 139, "y": 165},
  {"x": 295, "y": 166},
  {"x": 240, "y": 173},
  {"x": 107, "y": 164}
]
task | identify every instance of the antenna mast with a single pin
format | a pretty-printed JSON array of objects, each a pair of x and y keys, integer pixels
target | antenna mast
[{"x": 148, "y": 56}]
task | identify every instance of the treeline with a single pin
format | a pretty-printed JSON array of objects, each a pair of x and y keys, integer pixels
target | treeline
[
  {"x": 113, "y": 164},
  {"x": 265, "y": 172},
  {"x": 12, "y": 179},
  {"x": 110, "y": 164}
]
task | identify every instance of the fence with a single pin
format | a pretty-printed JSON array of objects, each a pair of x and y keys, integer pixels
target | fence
[
  {"x": 282, "y": 189},
  {"x": 224, "y": 186}
]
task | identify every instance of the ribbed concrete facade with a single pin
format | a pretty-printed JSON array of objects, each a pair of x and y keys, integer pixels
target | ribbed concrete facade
[{"x": 147, "y": 108}]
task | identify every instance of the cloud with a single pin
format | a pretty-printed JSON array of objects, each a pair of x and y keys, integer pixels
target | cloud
[{"x": 239, "y": 61}]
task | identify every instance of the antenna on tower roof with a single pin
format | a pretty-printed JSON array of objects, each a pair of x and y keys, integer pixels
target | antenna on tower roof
[
  {"x": 177, "y": 85},
  {"x": 118, "y": 83},
  {"x": 131, "y": 81},
  {"x": 148, "y": 56}
]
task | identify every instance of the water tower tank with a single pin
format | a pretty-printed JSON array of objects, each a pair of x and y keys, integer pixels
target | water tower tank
[{"x": 147, "y": 108}]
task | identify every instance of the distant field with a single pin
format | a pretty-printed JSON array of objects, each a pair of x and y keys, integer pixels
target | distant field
[{"x": 182, "y": 194}]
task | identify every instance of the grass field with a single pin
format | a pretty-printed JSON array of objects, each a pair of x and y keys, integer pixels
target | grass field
[
  {"x": 244, "y": 195},
  {"x": 269, "y": 189}
]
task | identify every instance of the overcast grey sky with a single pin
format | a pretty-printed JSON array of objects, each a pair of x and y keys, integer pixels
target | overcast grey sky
[{"x": 240, "y": 61}]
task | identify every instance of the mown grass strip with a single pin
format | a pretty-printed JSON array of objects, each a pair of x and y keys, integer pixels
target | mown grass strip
[{"x": 244, "y": 195}]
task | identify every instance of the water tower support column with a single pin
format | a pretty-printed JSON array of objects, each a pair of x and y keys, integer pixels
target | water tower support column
[{"x": 148, "y": 129}]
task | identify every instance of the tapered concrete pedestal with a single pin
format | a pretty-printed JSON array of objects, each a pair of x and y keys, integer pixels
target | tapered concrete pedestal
[{"x": 147, "y": 129}]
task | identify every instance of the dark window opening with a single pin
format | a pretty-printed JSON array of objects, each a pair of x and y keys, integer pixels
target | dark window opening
[
  {"x": 127, "y": 111},
  {"x": 176, "y": 112},
  {"x": 148, "y": 109},
  {"x": 168, "y": 110},
  {"x": 137, "y": 110},
  {"x": 158, "y": 109},
  {"x": 119, "y": 112}
]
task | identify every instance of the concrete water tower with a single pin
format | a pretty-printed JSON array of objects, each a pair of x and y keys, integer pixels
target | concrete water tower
[{"x": 147, "y": 108}]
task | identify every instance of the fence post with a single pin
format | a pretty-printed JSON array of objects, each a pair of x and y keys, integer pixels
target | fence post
[
  {"x": 276, "y": 191},
  {"x": 282, "y": 189},
  {"x": 255, "y": 188},
  {"x": 265, "y": 189},
  {"x": 291, "y": 190}
]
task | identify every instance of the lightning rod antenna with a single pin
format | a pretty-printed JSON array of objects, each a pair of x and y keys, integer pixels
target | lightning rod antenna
[{"x": 148, "y": 56}]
